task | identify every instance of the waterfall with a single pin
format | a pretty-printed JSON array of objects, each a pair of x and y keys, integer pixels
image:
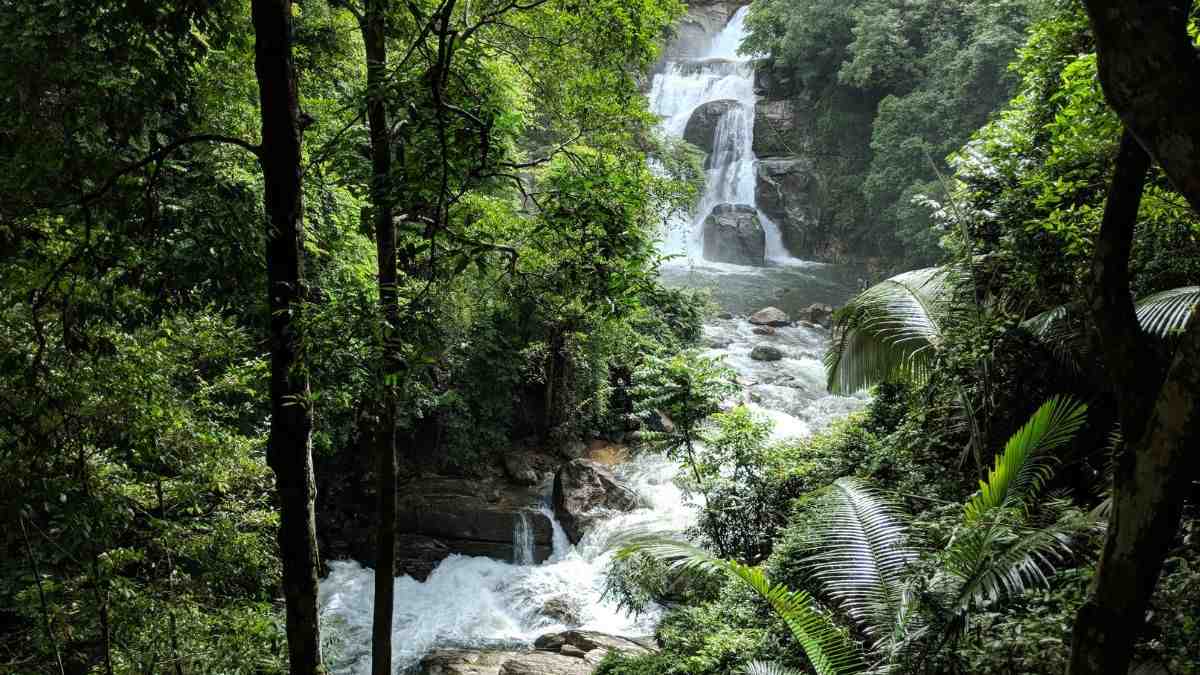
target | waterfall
[
  {"x": 675, "y": 93},
  {"x": 482, "y": 603},
  {"x": 522, "y": 540}
]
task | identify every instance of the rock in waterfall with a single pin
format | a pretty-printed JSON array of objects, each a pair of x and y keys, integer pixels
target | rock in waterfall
[
  {"x": 734, "y": 234},
  {"x": 583, "y": 489}
]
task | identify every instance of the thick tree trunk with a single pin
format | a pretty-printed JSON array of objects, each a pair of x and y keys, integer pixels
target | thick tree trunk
[
  {"x": 289, "y": 450},
  {"x": 1150, "y": 73},
  {"x": 375, "y": 41},
  {"x": 1149, "y": 70}
]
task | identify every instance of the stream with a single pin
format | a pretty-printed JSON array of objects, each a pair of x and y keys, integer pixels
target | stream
[{"x": 481, "y": 603}]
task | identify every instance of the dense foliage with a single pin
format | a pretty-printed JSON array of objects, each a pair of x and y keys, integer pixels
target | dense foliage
[{"x": 885, "y": 90}]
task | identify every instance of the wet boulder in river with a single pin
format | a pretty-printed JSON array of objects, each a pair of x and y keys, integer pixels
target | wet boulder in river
[
  {"x": 766, "y": 353},
  {"x": 582, "y": 490},
  {"x": 733, "y": 234},
  {"x": 770, "y": 316}
]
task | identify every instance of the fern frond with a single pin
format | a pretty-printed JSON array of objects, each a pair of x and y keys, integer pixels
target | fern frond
[
  {"x": 1022, "y": 469},
  {"x": 860, "y": 554}
]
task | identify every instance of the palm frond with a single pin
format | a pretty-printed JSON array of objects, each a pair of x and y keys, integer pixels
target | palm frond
[
  {"x": 770, "y": 668},
  {"x": 1166, "y": 313},
  {"x": 860, "y": 554},
  {"x": 828, "y": 648},
  {"x": 995, "y": 561},
  {"x": 1022, "y": 468},
  {"x": 891, "y": 330}
]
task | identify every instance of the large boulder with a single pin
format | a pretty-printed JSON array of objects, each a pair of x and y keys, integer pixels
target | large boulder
[
  {"x": 766, "y": 353},
  {"x": 701, "y": 129},
  {"x": 786, "y": 191},
  {"x": 820, "y": 314},
  {"x": 587, "y": 641},
  {"x": 546, "y": 663},
  {"x": 583, "y": 489},
  {"x": 733, "y": 234},
  {"x": 770, "y": 316}
]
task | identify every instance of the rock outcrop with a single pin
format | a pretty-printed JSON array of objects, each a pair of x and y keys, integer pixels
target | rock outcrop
[
  {"x": 733, "y": 234},
  {"x": 787, "y": 192},
  {"x": 770, "y": 316},
  {"x": 583, "y": 490},
  {"x": 701, "y": 129},
  {"x": 574, "y": 652},
  {"x": 774, "y": 122},
  {"x": 694, "y": 33}
]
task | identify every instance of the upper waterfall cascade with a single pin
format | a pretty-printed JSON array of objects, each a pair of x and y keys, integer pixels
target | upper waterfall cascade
[{"x": 676, "y": 92}]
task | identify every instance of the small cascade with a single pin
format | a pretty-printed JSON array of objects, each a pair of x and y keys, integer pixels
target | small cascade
[
  {"x": 522, "y": 540},
  {"x": 681, "y": 88}
]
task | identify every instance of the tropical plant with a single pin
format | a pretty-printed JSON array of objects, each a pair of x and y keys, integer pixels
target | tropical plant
[
  {"x": 862, "y": 554},
  {"x": 892, "y": 330},
  {"x": 1022, "y": 469},
  {"x": 828, "y": 648}
]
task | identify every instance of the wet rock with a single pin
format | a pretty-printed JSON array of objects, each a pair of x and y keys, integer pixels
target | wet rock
[
  {"x": 725, "y": 315},
  {"x": 695, "y": 31},
  {"x": 770, "y": 316},
  {"x": 763, "y": 330},
  {"x": 786, "y": 190},
  {"x": 581, "y": 489},
  {"x": 545, "y": 663},
  {"x": 766, "y": 353},
  {"x": 820, "y": 314},
  {"x": 733, "y": 234},
  {"x": 588, "y": 641},
  {"x": 437, "y": 516},
  {"x": 564, "y": 609},
  {"x": 463, "y": 662},
  {"x": 701, "y": 129}
]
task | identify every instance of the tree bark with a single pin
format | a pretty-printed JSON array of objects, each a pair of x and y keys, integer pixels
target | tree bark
[
  {"x": 289, "y": 448},
  {"x": 1149, "y": 71},
  {"x": 375, "y": 41}
]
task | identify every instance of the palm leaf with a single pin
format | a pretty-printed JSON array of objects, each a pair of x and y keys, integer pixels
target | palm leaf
[
  {"x": 889, "y": 331},
  {"x": 828, "y": 648},
  {"x": 770, "y": 668},
  {"x": 860, "y": 554},
  {"x": 994, "y": 560},
  {"x": 1165, "y": 314},
  {"x": 1161, "y": 315},
  {"x": 1022, "y": 468}
]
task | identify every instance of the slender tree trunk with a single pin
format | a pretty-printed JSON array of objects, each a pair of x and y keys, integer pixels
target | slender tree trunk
[
  {"x": 375, "y": 40},
  {"x": 289, "y": 450},
  {"x": 1160, "y": 421},
  {"x": 37, "y": 580}
]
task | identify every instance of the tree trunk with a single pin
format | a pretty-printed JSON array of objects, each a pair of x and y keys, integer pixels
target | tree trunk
[
  {"x": 375, "y": 41},
  {"x": 1149, "y": 71},
  {"x": 289, "y": 449}
]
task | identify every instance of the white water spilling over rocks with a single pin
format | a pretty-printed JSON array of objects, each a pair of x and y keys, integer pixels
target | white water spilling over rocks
[
  {"x": 676, "y": 93},
  {"x": 482, "y": 603}
]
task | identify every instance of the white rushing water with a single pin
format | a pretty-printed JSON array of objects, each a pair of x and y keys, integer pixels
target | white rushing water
[
  {"x": 471, "y": 602},
  {"x": 675, "y": 93}
]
